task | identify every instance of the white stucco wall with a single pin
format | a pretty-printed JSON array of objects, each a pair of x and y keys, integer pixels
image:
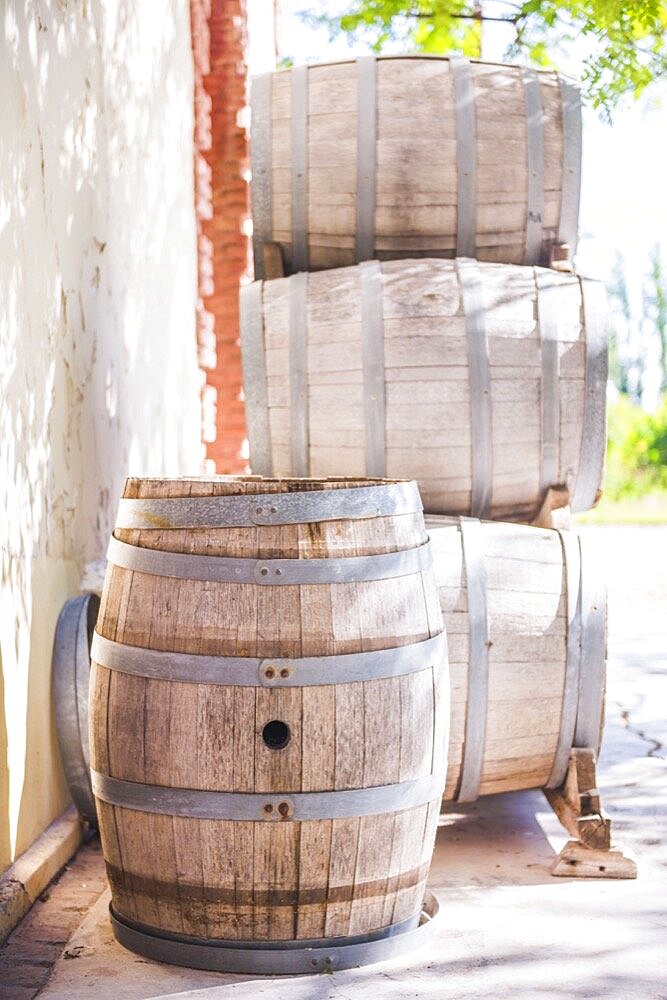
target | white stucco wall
[{"x": 98, "y": 372}]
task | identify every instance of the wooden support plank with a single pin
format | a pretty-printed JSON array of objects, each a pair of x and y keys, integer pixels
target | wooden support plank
[
  {"x": 577, "y": 806},
  {"x": 274, "y": 265},
  {"x": 578, "y": 861}
]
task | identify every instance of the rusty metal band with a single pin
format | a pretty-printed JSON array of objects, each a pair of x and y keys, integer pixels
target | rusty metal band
[
  {"x": 549, "y": 288},
  {"x": 71, "y": 681},
  {"x": 568, "y": 718},
  {"x": 478, "y": 660},
  {"x": 535, "y": 152},
  {"x": 249, "y": 671},
  {"x": 364, "y": 245},
  {"x": 479, "y": 374},
  {"x": 299, "y": 140},
  {"x": 372, "y": 354},
  {"x": 594, "y": 425},
  {"x": 256, "y": 509},
  {"x": 261, "y": 163},
  {"x": 571, "y": 184},
  {"x": 298, "y": 375},
  {"x": 279, "y": 958},
  {"x": 269, "y": 572},
  {"x": 255, "y": 386},
  {"x": 588, "y": 731},
  {"x": 466, "y": 136},
  {"x": 268, "y": 807}
]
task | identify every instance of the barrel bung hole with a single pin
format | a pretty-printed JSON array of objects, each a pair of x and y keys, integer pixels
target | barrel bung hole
[{"x": 276, "y": 734}]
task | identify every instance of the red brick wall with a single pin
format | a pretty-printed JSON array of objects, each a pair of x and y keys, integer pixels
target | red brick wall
[{"x": 222, "y": 205}]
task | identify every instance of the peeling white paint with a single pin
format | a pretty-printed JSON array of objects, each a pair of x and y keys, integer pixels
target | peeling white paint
[{"x": 98, "y": 370}]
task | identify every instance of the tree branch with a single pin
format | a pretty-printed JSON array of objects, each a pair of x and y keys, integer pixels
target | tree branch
[{"x": 476, "y": 15}]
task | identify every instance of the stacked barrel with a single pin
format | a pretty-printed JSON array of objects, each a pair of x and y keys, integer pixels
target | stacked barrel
[
  {"x": 428, "y": 325},
  {"x": 271, "y": 732}
]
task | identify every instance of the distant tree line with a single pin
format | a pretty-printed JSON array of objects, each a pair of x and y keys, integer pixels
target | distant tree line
[{"x": 636, "y": 338}]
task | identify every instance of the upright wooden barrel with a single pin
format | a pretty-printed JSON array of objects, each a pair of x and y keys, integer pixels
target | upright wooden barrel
[
  {"x": 525, "y": 614},
  {"x": 485, "y": 382},
  {"x": 268, "y": 721},
  {"x": 414, "y": 156}
]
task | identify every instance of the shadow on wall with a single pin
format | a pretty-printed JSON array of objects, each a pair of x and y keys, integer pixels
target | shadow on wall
[{"x": 98, "y": 356}]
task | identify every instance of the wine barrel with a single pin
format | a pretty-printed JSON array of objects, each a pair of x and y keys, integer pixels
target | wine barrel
[
  {"x": 485, "y": 382},
  {"x": 385, "y": 158},
  {"x": 70, "y": 669},
  {"x": 268, "y": 721},
  {"x": 525, "y": 614}
]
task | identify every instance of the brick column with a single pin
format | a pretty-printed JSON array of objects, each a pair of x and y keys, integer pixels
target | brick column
[{"x": 222, "y": 206}]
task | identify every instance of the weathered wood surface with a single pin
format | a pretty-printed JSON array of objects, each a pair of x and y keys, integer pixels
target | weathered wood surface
[
  {"x": 578, "y": 861},
  {"x": 411, "y": 170},
  {"x": 577, "y": 802},
  {"x": 268, "y": 880},
  {"x": 534, "y": 340},
  {"x": 527, "y": 619}
]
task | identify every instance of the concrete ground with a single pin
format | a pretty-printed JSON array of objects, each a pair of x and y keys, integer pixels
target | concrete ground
[{"x": 507, "y": 928}]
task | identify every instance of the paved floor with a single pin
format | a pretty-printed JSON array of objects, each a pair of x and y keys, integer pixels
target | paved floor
[
  {"x": 507, "y": 928},
  {"x": 29, "y": 954}
]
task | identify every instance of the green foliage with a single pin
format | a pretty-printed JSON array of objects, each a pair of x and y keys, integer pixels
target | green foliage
[
  {"x": 636, "y": 450},
  {"x": 626, "y": 41}
]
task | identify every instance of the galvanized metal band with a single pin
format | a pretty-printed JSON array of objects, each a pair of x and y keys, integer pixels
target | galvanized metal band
[
  {"x": 588, "y": 732},
  {"x": 279, "y": 958},
  {"x": 71, "y": 680},
  {"x": 535, "y": 151},
  {"x": 478, "y": 660},
  {"x": 249, "y": 671},
  {"x": 568, "y": 718},
  {"x": 261, "y": 163},
  {"x": 255, "y": 388},
  {"x": 269, "y": 572},
  {"x": 372, "y": 355},
  {"x": 299, "y": 139},
  {"x": 594, "y": 425},
  {"x": 364, "y": 245},
  {"x": 571, "y": 184},
  {"x": 472, "y": 294},
  {"x": 466, "y": 135},
  {"x": 298, "y": 375},
  {"x": 248, "y": 510},
  {"x": 549, "y": 306},
  {"x": 269, "y": 807}
]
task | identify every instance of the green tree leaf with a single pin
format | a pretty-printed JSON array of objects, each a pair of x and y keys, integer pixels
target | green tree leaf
[{"x": 627, "y": 40}]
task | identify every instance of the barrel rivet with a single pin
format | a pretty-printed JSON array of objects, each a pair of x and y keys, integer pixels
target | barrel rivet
[
  {"x": 283, "y": 808},
  {"x": 284, "y": 672},
  {"x": 274, "y": 510},
  {"x": 279, "y": 572},
  {"x": 258, "y": 510},
  {"x": 264, "y": 571},
  {"x": 269, "y": 672},
  {"x": 268, "y": 808}
]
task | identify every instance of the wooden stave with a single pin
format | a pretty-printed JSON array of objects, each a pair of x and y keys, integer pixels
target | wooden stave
[
  {"x": 208, "y": 911},
  {"x": 542, "y": 190},
  {"x": 528, "y": 634},
  {"x": 516, "y": 339}
]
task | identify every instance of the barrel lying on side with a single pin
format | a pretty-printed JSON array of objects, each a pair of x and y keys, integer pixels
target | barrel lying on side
[
  {"x": 414, "y": 156},
  {"x": 485, "y": 382},
  {"x": 269, "y": 719},
  {"x": 525, "y": 613}
]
